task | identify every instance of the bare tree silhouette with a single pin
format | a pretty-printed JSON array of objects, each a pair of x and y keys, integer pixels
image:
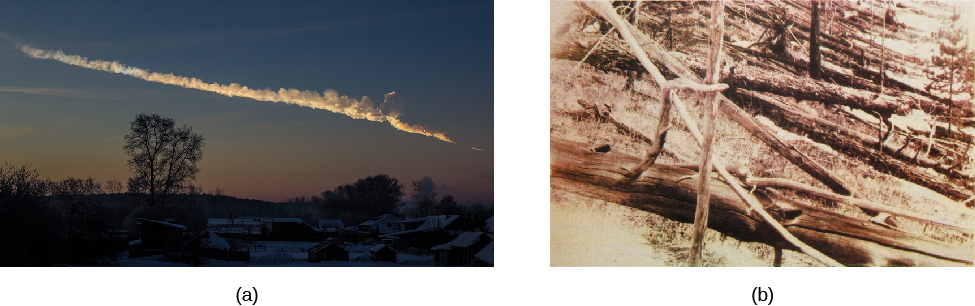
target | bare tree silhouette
[{"x": 162, "y": 158}]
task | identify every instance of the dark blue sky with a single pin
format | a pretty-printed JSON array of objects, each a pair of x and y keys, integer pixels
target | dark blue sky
[{"x": 436, "y": 55}]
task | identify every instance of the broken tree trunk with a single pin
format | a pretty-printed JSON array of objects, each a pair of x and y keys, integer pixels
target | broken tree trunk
[
  {"x": 815, "y": 64},
  {"x": 851, "y": 136},
  {"x": 605, "y": 10},
  {"x": 748, "y": 122},
  {"x": 943, "y": 132},
  {"x": 808, "y": 89},
  {"x": 761, "y": 16},
  {"x": 929, "y": 103},
  {"x": 846, "y": 55},
  {"x": 828, "y": 71},
  {"x": 743, "y": 173},
  {"x": 710, "y": 124},
  {"x": 790, "y": 184},
  {"x": 851, "y": 241},
  {"x": 848, "y": 141}
]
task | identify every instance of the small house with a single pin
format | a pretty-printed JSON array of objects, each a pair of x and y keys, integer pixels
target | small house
[
  {"x": 381, "y": 225},
  {"x": 213, "y": 246},
  {"x": 438, "y": 221},
  {"x": 485, "y": 258},
  {"x": 382, "y": 252},
  {"x": 423, "y": 238},
  {"x": 157, "y": 237},
  {"x": 292, "y": 229},
  {"x": 461, "y": 251},
  {"x": 327, "y": 251},
  {"x": 330, "y": 223},
  {"x": 352, "y": 234}
]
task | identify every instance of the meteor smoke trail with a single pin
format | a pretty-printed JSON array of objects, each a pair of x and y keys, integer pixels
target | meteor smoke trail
[{"x": 388, "y": 111}]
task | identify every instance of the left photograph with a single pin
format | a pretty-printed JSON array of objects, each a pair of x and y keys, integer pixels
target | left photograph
[{"x": 224, "y": 134}]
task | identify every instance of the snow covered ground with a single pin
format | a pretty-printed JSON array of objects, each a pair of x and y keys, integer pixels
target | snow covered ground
[
  {"x": 289, "y": 254},
  {"x": 157, "y": 261}
]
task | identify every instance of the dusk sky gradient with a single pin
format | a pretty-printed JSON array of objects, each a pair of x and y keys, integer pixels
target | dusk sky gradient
[{"x": 438, "y": 56}]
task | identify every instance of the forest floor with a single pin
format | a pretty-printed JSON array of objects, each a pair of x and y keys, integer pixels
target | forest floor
[{"x": 592, "y": 232}]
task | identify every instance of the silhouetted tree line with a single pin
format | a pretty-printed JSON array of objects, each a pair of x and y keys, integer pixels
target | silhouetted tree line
[
  {"x": 380, "y": 194},
  {"x": 223, "y": 206},
  {"x": 48, "y": 223},
  {"x": 354, "y": 202},
  {"x": 67, "y": 222},
  {"x": 424, "y": 201},
  {"x": 75, "y": 222}
]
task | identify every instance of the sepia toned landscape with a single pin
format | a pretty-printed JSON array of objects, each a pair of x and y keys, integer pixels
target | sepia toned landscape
[{"x": 840, "y": 133}]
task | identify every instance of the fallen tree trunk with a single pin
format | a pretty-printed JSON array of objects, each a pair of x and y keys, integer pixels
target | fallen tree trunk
[
  {"x": 851, "y": 143},
  {"x": 939, "y": 147},
  {"x": 793, "y": 155},
  {"x": 954, "y": 134},
  {"x": 761, "y": 16},
  {"x": 850, "y": 241},
  {"x": 803, "y": 88},
  {"x": 851, "y": 136},
  {"x": 932, "y": 104},
  {"x": 828, "y": 71},
  {"x": 861, "y": 78},
  {"x": 841, "y": 53},
  {"x": 606, "y": 10},
  {"x": 748, "y": 122}
]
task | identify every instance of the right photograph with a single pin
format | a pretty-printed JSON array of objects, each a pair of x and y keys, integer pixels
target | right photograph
[{"x": 762, "y": 133}]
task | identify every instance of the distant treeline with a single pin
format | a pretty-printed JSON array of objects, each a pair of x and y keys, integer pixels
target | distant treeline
[{"x": 222, "y": 206}]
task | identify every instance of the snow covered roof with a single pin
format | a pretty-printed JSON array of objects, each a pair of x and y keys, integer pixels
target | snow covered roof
[
  {"x": 323, "y": 244},
  {"x": 433, "y": 222},
  {"x": 288, "y": 220},
  {"x": 466, "y": 239},
  {"x": 486, "y": 254},
  {"x": 397, "y": 234},
  {"x": 215, "y": 242},
  {"x": 163, "y": 223},
  {"x": 379, "y": 247},
  {"x": 387, "y": 217},
  {"x": 331, "y": 223}
]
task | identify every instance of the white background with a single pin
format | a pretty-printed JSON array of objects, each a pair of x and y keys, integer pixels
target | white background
[{"x": 522, "y": 275}]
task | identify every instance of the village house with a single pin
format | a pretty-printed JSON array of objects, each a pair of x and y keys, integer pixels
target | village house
[
  {"x": 439, "y": 221},
  {"x": 161, "y": 237},
  {"x": 157, "y": 237},
  {"x": 485, "y": 258},
  {"x": 385, "y": 224},
  {"x": 330, "y": 228},
  {"x": 422, "y": 238},
  {"x": 352, "y": 234},
  {"x": 293, "y": 229},
  {"x": 213, "y": 246},
  {"x": 382, "y": 252},
  {"x": 330, "y": 224},
  {"x": 326, "y": 251},
  {"x": 461, "y": 251}
]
